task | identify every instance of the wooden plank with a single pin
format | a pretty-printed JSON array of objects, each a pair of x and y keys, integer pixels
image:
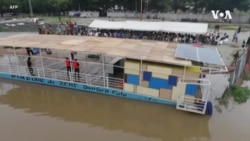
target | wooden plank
[
  {"x": 132, "y": 71},
  {"x": 128, "y": 87},
  {"x": 178, "y": 72},
  {"x": 147, "y": 91},
  {"x": 189, "y": 74},
  {"x": 144, "y": 66},
  {"x": 179, "y": 90},
  {"x": 159, "y": 69},
  {"x": 132, "y": 65},
  {"x": 159, "y": 75},
  {"x": 145, "y": 84},
  {"x": 165, "y": 93},
  {"x": 135, "y": 89}
]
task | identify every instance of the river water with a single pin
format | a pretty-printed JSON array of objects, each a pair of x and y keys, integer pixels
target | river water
[{"x": 31, "y": 112}]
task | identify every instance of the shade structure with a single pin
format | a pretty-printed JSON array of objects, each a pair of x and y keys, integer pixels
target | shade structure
[
  {"x": 115, "y": 25},
  {"x": 185, "y": 27},
  {"x": 204, "y": 55},
  {"x": 176, "y": 27},
  {"x": 142, "y": 26}
]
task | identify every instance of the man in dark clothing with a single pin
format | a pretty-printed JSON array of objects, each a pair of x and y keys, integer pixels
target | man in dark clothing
[
  {"x": 248, "y": 42},
  {"x": 239, "y": 29},
  {"x": 68, "y": 66},
  {"x": 29, "y": 64},
  {"x": 29, "y": 51},
  {"x": 76, "y": 66}
]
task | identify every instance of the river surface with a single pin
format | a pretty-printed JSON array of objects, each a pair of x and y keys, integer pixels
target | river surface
[{"x": 31, "y": 112}]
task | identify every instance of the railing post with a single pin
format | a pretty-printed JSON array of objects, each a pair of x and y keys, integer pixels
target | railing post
[
  {"x": 86, "y": 78},
  {"x": 41, "y": 57},
  {"x": 10, "y": 70},
  {"x": 107, "y": 79},
  {"x": 90, "y": 80},
  {"x": 17, "y": 61},
  {"x": 55, "y": 75},
  {"x": 37, "y": 70},
  {"x": 103, "y": 69}
]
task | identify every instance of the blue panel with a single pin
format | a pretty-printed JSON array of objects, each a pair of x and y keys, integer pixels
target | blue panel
[
  {"x": 191, "y": 89},
  {"x": 172, "y": 80},
  {"x": 89, "y": 88},
  {"x": 133, "y": 79},
  {"x": 147, "y": 76},
  {"x": 158, "y": 83}
]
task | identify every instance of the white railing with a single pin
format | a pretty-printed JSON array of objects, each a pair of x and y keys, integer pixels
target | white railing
[
  {"x": 191, "y": 104},
  {"x": 90, "y": 79}
]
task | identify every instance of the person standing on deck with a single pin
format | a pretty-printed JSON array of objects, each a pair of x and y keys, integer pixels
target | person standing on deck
[
  {"x": 76, "y": 66},
  {"x": 29, "y": 64},
  {"x": 68, "y": 66},
  {"x": 29, "y": 51}
]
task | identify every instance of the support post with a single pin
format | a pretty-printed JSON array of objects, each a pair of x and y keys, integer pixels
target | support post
[
  {"x": 10, "y": 70},
  {"x": 71, "y": 67},
  {"x": 41, "y": 57},
  {"x": 140, "y": 74},
  {"x": 103, "y": 69},
  {"x": 107, "y": 82},
  {"x": 17, "y": 60}
]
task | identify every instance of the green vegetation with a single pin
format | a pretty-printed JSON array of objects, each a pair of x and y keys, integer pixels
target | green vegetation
[
  {"x": 247, "y": 77},
  {"x": 236, "y": 93}
]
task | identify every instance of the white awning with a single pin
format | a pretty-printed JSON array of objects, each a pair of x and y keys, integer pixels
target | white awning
[
  {"x": 142, "y": 26},
  {"x": 181, "y": 27},
  {"x": 176, "y": 27},
  {"x": 101, "y": 24}
]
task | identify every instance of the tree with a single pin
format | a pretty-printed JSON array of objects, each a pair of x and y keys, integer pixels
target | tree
[{"x": 1, "y": 8}]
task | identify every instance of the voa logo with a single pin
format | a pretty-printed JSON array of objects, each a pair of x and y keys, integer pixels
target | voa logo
[{"x": 221, "y": 14}]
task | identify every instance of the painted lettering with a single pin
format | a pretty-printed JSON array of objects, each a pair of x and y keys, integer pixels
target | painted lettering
[
  {"x": 37, "y": 79},
  {"x": 28, "y": 78},
  {"x": 51, "y": 82},
  {"x": 67, "y": 84}
]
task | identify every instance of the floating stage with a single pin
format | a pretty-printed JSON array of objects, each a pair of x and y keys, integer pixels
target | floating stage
[{"x": 160, "y": 72}]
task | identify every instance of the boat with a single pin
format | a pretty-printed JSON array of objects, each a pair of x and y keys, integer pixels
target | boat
[{"x": 153, "y": 71}]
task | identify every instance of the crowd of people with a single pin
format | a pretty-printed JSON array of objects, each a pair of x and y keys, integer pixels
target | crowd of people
[{"x": 72, "y": 28}]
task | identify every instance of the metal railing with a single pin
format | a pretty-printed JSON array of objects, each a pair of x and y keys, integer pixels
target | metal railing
[
  {"x": 191, "y": 104},
  {"x": 89, "y": 79}
]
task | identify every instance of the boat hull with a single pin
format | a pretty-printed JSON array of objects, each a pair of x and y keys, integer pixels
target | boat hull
[{"x": 88, "y": 88}]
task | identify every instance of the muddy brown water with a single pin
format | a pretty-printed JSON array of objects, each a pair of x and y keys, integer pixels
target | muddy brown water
[{"x": 31, "y": 112}]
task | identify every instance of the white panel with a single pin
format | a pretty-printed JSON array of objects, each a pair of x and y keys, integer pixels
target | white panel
[{"x": 205, "y": 55}]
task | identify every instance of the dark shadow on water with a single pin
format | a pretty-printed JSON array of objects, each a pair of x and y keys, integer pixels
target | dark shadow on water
[{"x": 146, "y": 119}]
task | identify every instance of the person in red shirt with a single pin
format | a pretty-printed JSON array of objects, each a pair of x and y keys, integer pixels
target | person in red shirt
[
  {"x": 67, "y": 63},
  {"x": 76, "y": 66}
]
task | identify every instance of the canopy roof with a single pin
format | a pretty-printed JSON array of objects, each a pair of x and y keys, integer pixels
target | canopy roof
[
  {"x": 163, "y": 52},
  {"x": 176, "y": 27},
  {"x": 204, "y": 55}
]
